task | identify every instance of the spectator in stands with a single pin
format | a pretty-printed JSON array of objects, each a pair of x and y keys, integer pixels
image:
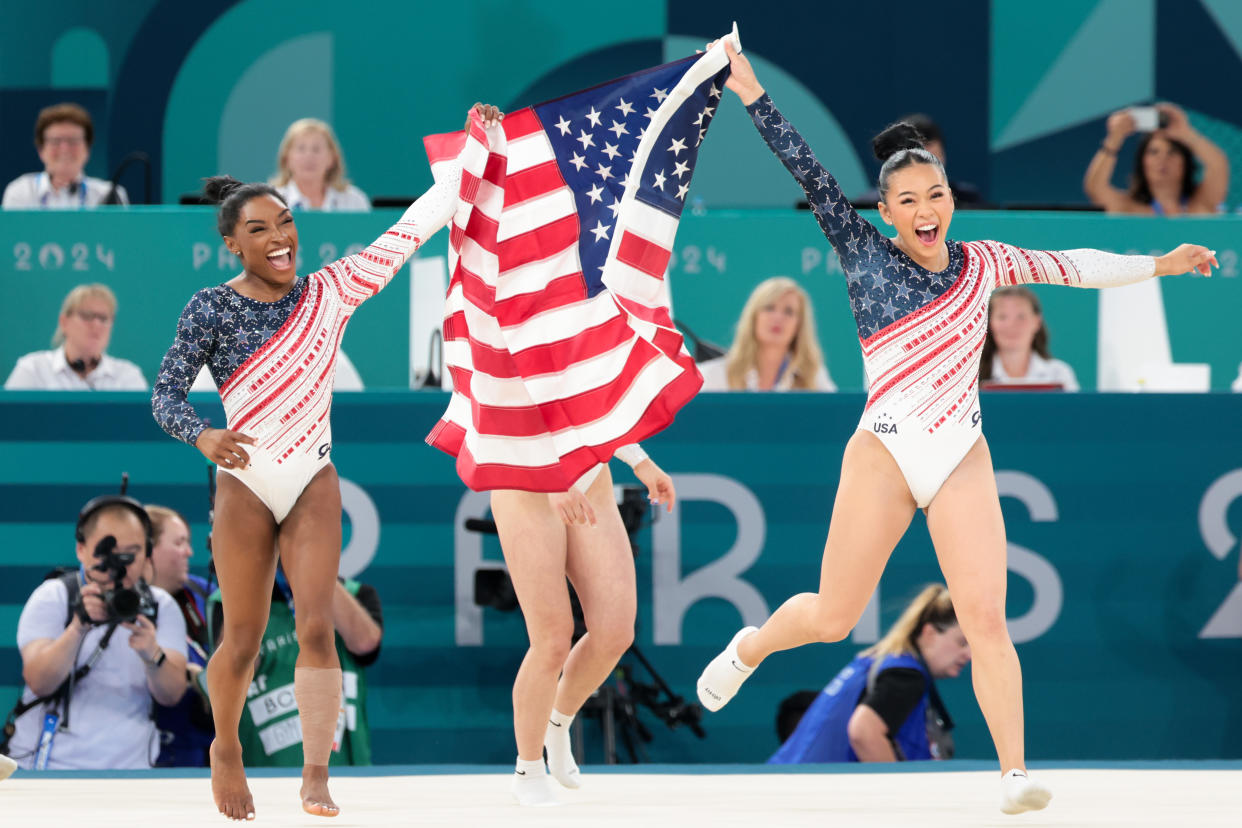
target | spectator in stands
[
  {"x": 186, "y": 729},
  {"x": 274, "y": 739},
  {"x": 884, "y": 706},
  {"x": 1163, "y": 181},
  {"x": 1015, "y": 351},
  {"x": 965, "y": 195},
  {"x": 775, "y": 347},
  {"x": 63, "y": 135},
  {"x": 87, "y": 705},
  {"x": 80, "y": 362},
  {"x": 310, "y": 170}
]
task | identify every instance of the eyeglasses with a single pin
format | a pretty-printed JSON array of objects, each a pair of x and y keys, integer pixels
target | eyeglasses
[
  {"x": 92, "y": 316},
  {"x": 67, "y": 140}
]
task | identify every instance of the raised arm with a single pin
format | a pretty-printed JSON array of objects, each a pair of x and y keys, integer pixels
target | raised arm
[
  {"x": 838, "y": 218},
  {"x": 1090, "y": 268},
  {"x": 367, "y": 273},
  {"x": 1214, "y": 182},
  {"x": 1097, "y": 183}
]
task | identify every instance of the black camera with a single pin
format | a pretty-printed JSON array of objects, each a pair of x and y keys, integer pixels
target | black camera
[{"x": 124, "y": 603}]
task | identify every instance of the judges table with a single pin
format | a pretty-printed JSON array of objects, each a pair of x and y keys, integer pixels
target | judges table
[
  {"x": 156, "y": 258},
  {"x": 1122, "y": 512}
]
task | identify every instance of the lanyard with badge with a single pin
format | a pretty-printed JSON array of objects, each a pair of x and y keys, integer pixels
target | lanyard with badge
[{"x": 77, "y": 186}]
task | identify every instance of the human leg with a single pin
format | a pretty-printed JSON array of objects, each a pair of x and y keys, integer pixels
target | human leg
[
  {"x": 533, "y": 540},
  {"x": 310, "y": 552},
  {"x": 872, "y": 510},
  {"x": 243, "y": 547},
  {"x": 967, "y": 529},
  {"x": 600, "y": 565}
]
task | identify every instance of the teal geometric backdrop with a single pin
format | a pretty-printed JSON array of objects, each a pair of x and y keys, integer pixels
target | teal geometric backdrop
[{"x": 1021, "y": 89}]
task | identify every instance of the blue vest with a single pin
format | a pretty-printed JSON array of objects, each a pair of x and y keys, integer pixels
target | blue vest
[
  {"x": 185, "y": 733},
  {"x": 821, "y": 735}
]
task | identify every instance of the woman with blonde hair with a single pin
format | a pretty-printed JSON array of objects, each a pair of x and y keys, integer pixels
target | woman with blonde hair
[
  {"x": 775, "y": 347},
  {"x": 310, "y": 170},
  {"x": 883, "y": 706},
  {"x": 79, "y": 361}
]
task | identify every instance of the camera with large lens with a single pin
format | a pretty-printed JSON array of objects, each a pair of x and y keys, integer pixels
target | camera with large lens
[{"x": 124, "y": 603}]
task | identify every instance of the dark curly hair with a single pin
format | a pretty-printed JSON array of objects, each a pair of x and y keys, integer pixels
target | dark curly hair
[{"x": 231, "y": 195}]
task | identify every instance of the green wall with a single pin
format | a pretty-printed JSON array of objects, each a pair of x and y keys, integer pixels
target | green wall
[{"x": 1122, "y": 514}]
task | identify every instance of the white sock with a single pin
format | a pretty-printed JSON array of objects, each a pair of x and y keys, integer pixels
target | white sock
[
  {"x": 560, "y": 753},
  {"x": 1021, "y": 793},
  {"x": 531, "y": 785},
  {"x": 7, "y": 766},
  {"x": 724, "y": 674}
]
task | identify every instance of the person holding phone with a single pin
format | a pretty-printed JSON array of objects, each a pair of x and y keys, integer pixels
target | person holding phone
[{"x": 1163, "y": 180}]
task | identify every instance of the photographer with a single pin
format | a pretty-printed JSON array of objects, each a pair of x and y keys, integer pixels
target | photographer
[{"x": 97, "y": 645}]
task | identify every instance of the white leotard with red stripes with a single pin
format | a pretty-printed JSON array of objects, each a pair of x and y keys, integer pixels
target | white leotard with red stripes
[
  {"x": 274, "y": 362},
  {"x": 921, "y": 331}
]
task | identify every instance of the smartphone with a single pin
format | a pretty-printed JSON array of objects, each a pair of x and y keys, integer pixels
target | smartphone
[{"x": 1147, "y": 118}]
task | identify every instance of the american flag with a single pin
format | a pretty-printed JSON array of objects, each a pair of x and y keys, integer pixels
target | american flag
[{"x": 557, "y": 330}]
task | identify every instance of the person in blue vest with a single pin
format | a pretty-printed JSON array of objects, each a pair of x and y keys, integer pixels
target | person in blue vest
[{"x": 883, "y": 707}]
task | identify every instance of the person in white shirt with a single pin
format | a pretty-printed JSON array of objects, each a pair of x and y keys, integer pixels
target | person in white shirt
[
  {"x": 310, "y": 170},
  {"x": 80, "y": 362},
  {"x": 103, "y": 718},
  {"x": 63, "y": 137},
  {"x": 1015, "y": 351},
  {"x": 775, "y": 347}
]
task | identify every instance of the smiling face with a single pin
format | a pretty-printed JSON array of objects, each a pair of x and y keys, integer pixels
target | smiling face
[
  {"x": 266, "y": 240},
  {"x": 1013, "y": 323},
  {"x": 64, "y": 152},
  {"x": 946, "y": 652},
  {"x": 777, "y": 322},
  {"x": 919, "y": 205}
]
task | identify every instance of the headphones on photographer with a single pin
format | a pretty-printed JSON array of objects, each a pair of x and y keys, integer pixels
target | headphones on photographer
[{"x": 95, "y": 504}]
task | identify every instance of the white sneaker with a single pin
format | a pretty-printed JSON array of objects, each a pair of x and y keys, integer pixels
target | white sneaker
[
  {"x": 724, "y": 674},
  {"x": 1020, "y": 793},
  {"x": 534, "y": 789},
  {"x": 560, "y": 752},
  {"x": 7, "y": 766}
]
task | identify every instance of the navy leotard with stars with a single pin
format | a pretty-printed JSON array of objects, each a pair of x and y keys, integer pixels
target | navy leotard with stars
[
  {"x": 221, "y": 329},
  {"x": 885, "y": 284}
]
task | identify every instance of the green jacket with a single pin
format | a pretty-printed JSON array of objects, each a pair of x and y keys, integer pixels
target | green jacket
[{"x": 270, "y": 731}]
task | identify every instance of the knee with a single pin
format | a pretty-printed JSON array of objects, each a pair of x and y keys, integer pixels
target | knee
[
  {"x": 550, "y": 645},
  {"x": 615, "y": 640},
  {"x": 239, "y": 646},
  {"x": 316, "y": 633},
  {"x": 984, "y": 627},
  {"x": 829, "y": 625}
]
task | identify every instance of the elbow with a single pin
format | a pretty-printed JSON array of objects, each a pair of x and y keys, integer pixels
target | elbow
[
  {"x": 39, "y": 684},
  {"x": 368, "y": 642}
]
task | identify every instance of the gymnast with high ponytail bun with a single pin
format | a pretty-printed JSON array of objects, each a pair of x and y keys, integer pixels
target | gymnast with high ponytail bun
[
  {"x": 920, "y": 301},
  {"x": 269, "y": 338}
]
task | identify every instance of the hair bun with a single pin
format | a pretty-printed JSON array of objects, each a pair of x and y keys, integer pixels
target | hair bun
[
  {"x": 895, "y": 138},
  {"x": 219, "y": 187}
]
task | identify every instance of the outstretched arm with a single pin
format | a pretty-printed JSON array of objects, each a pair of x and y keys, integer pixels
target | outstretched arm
[
  {"x": 838, "y": 218},
  {"x": 1091, "y": 268},
  {"x": 365, "y": 274}
]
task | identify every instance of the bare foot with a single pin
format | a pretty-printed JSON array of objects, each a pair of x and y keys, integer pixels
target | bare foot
[
  {"x": 315, "y": 797},
  {"x": 228, "y": 781}
]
